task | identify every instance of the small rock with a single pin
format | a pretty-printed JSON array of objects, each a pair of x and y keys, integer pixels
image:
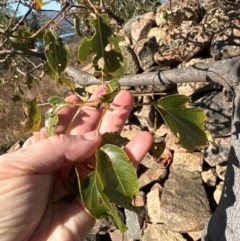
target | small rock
[
  {"x": 92, "y": 237},
  {"x": 196, "y": 236},
  {"x": 141, "y": 28},
  {"x": 151, "y": 175},
  {"x": 218, "y": 110},
  {"x": 145, "y": 50},
  {"x": 130, "y": 131},
  {"x": 217, "y": 152},
  {"x": 133, "y": 65},
  {"x": 188, "y": 161},
  {"x": 144, "y": 114},
  {"x": 209, "y": 176},
  {"x": 218, "y": 192},
  {"x": 139, "y": 200},
  {"x": 156, "y": 232},
  {"x": 134, "y": 231},
  {"x": 116, "y": 235},
  {"x": 225, "y": 43},
  {"x": 221, "y": 170},
  {"x": 153, "y": 203},
  {"x": 183, "y": 199}
]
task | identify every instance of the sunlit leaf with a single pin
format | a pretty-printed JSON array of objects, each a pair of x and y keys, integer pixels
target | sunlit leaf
[
  {"x": 56, "y": 101},
  {"x": 37, "y": 5},
  {"x": 32, "y": 117},
  {"x": 187, "y": 124},
  {"x": 117, "y": 175},
  {"x": 76, "y": 23},
  {"x": 113, "y": 89},
  {"x": 105, "y": 45},
  {"x": 57, "y": 53}
]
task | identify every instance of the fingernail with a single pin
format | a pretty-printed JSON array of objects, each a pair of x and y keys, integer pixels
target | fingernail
[{"x": 90, "y": 135}]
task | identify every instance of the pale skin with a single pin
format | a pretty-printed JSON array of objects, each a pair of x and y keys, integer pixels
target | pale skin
[{"x": 35, "y": 176}]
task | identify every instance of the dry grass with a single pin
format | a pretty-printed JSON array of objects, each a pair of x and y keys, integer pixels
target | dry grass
[{"x": 11, "y": 114}]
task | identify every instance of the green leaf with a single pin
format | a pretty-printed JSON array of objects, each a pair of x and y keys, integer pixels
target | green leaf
[
  {"x": 60, "y": 78},
  {"x": 76, "y": 23},
  {"x": 113, "y": 89},
  {"x": 157, "y": 149},
  {"x": 56, "y": 101},
  {"x": 105, "y": 45},
  {"x": 117, "y": 175},
  {"x": 57, "y": 53},
  {"x": 32, "y": 117},
  {"x": 114, "y": 138},
  {"x": 97, "y": 202},
  {"x": 50, "y": 121},
  {"x": 187, "y": 124},
  {"x": 18, "y": 39}
]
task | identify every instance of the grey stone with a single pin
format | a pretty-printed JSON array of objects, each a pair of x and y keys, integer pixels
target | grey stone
[
  {"x": 133, "y": 64},
  {"x": 218, "y": 111},
  {"x": 225, "y": 44},
  {"x": 145, "y": 50},
  {"x": 157, "y": 232},
  {"x": 144, "y": 114},
  {"x": 218, "y": 192},
  {"x": 151, "y": 175},
  {"x": 187, "y": 161},
  {"x": 141, "y": 28},
  {"x": 92, "y": 237},
  {"x": 221, "y": 170},
  {"x": 134, "y": 230},
  {"x": 217, "y": 152},
  {"x": 184, "y": 203},
  {"x": 153, "y": 203}
]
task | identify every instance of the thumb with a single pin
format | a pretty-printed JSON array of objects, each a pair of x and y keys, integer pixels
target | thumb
[{"x": 48, "y": 155}]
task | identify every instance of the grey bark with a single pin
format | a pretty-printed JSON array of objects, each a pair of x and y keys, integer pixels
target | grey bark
[
  {"x": 225, "y": 72},
  {"x": 224, "y": 225}
]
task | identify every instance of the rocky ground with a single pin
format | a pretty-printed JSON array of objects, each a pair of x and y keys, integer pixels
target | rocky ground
[{"x": 180, "y": 190}]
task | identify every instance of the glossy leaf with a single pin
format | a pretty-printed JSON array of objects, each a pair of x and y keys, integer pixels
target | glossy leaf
[
  {"x": 187, "y": 124},
  {"x": 113, "y": 89},
  {"x": 117, "y": 175},
  {"x": 32, "y": 117},
  {"x": 57, "y": 53},
  {"x": 97, "y": 202},
  {"x": 114, "y": 138},
  {"x": 105, "y": 45}
]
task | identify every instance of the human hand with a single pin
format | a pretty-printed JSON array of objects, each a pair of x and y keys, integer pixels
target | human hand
[{"x": 35, "y": 176}]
